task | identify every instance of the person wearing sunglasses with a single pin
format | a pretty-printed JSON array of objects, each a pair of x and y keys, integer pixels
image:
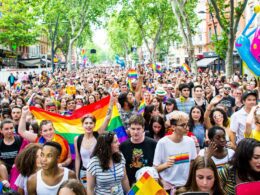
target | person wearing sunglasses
[
  {"x": 227, "y": 100},
  {"x": 175, "y": 153}
]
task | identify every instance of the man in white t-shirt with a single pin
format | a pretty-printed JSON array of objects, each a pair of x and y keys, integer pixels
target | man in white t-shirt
[
  {"x": 174, "y": 153},
  {"x": 238, "y": 119}
]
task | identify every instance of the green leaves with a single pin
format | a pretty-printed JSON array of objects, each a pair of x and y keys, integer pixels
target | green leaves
[{"x": 18, "y": 23}]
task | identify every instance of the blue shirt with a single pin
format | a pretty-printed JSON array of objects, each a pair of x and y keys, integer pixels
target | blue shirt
[{"x": 199, "y": 132}]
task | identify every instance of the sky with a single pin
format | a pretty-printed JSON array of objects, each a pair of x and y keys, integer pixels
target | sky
[{"x": 100, "y": 38}]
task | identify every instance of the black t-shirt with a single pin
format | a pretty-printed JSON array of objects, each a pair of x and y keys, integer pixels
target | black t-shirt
[
  {"x": 8, "y": 153},
  {"x": 229, "y": 102},
  {"x": 137, "y": 156}
]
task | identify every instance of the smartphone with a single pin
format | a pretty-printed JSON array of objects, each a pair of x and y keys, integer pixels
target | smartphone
[{"x": 195, "y": 193}]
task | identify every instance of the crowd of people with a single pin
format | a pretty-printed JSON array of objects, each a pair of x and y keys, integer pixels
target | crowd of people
[{"x": 191, "y": 133}]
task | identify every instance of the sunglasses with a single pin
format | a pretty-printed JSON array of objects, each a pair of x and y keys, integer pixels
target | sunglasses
[
  {"x": 183, "y": 125},
  {"x": 227, "y": 88}
]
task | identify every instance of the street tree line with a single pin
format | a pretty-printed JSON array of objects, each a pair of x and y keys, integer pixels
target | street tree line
[{"x": 154, "y": 23}]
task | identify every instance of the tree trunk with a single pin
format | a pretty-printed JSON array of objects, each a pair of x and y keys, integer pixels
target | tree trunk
[
  {"x": 229, "y": 56},
  {"x": 69, "y": 58},
  {"x": 179, "y": 12}
]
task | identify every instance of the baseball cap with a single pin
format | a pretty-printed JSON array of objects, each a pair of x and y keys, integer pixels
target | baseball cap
[
  {"x": 248, "y": 93},
  {"x": 170, "y": 101}
]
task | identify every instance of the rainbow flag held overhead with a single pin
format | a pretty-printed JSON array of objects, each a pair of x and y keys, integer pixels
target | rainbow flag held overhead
[
  {"x": 141, "y": 108},
  {"x": 185, "y": 68},
  {"x": 132, "y": 74},
  {"x": 157, "y": 68},
  {"x": 116, "y": 125},
  {"x": 17, "y": 86},
  {"x": 71, "y": 126},
  {"x": 147, "y": 185}
]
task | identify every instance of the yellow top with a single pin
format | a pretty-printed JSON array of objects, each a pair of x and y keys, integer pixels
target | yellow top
[{"x": 254, "y": 134}]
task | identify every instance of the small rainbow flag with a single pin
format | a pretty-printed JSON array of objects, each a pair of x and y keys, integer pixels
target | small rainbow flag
[
  {"x": 146, "y": 185},
  {"x": 185, "y": 68},
  {"x": 157, "y": 68},
  {"x": 132, "y": 74},
  {"x": 17, "y": 86},
  {"x": 141, "y": 107},
  {"x": 71, "y": 126}
]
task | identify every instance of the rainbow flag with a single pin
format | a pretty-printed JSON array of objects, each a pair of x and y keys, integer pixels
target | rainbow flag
[
  {"x": 71, "y": 126},
  {"x": 185, "y": 68},
  {"x": 132, "y": 74},
  {"x": 17, "y": 86},
  {"x": 116, "y": 125},
  {"x": 141, "y": 108},
  {"x": 157, "y": 68},
  {"x": 146, "y": 185}
]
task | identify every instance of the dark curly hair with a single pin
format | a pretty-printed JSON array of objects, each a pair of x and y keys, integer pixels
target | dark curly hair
[
  {"x": 103, "y": 150},
  {"x": 225, "y": 118},
  {"x": 240, "y": 161},
  {"x": 26, "y": 160},
  {"x": 159, "y": 120}
]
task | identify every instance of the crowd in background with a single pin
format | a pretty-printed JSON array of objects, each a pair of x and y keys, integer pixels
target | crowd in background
[{"x": 195, "y": 133}]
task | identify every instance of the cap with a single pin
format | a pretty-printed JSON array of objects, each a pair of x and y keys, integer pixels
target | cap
[
  {"x": 170, "y": 101},
  {"x": 79, "y": 97},
  {"x": 160, "y": 91},
  {"x": 150, "y": 170},
  {"x": 248, "y": 93}
]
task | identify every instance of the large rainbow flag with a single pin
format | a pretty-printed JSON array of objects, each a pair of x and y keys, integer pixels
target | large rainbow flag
[
  {"x": 147, "y": 185},
  {"x": 71, "y": 126}
]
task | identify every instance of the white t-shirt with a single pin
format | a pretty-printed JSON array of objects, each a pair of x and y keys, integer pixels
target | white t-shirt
[
  {"x": 220, "y": 163},
  {"x": 238, "y": 124},
  {"x": 21, "y": 182},
  {"x": 184, "y": 152}
]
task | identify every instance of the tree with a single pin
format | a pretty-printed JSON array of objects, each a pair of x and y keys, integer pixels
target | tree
[
  {"x": 84, "y": 13},
  {"x": 183, "y": 11},
  {"x": 152, "y": 17},
  {"x": 228, "y": 15},
  {"x": 18, "y": 25},
  {"x": 122, "y": 35}
]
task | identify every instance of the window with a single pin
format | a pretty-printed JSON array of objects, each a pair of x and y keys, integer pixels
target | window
[
  {"x": 177, "y": 60},
  {"x": 200, "y": 37}
]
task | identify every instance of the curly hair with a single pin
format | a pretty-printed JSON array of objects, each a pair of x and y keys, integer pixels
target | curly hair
[
  {"x": 225, "y": 118},
  {"x": 26, "y": 160},
  {"x": 240, "y": 161},
  {"x": 103, "y": 150}
]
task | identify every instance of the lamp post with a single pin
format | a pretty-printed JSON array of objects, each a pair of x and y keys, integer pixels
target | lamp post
[{"x": 215, "y": 30}]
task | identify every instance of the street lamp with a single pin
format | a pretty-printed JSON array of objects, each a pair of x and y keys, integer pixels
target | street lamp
[{"x": 215, "y": 30}]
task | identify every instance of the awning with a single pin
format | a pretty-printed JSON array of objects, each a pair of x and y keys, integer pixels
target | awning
[
  {"x": 30, "y": 63},
  {"x": 205, "y": 62}
]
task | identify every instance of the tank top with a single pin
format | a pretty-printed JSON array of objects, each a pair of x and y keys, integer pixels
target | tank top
[
  {"x": 43, "y": 189},
  {"x": 85, "y": 155}
]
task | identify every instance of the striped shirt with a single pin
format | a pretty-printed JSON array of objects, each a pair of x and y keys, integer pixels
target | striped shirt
[{"x": 109, "y": 179}]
